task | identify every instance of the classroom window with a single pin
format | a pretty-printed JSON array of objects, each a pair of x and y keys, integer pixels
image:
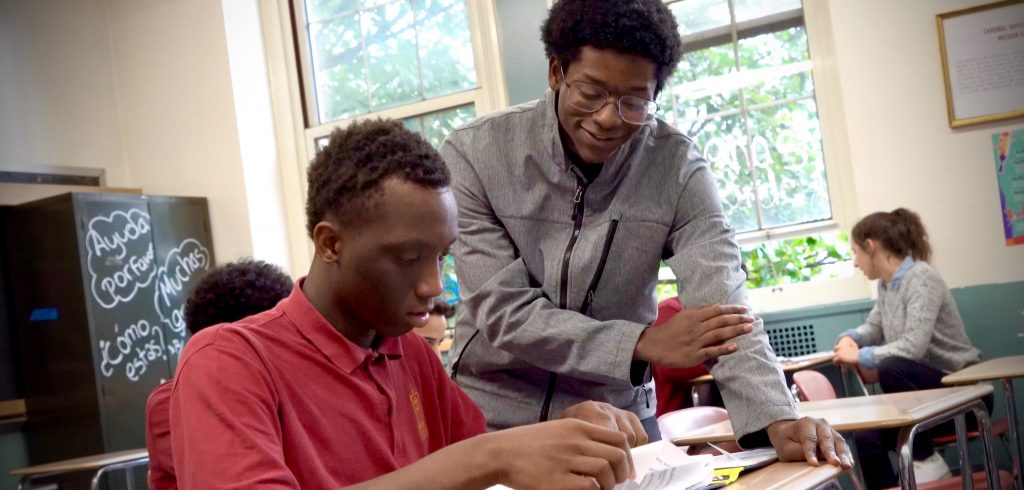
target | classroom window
[
  {"x": 413, "y": 60},
  {"x": 435, "y": 126},
  {"x": 744, "y": 92}
]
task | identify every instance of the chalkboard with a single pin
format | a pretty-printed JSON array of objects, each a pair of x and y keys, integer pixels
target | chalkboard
[
  {"x": 114, "y": 291},
  {"x": 142, "y": 258}
]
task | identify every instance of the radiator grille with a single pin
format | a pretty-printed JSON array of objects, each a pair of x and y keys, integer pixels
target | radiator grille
[{"x": 792, "y": 340}]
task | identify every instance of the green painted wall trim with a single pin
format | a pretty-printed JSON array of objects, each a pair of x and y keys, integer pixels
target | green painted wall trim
[{"x": 828, "y": 310}]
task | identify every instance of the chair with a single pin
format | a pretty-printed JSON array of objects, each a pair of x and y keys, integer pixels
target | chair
[
  {"x": 812, "y": 385},
  {"x": 679, "y": 423}
]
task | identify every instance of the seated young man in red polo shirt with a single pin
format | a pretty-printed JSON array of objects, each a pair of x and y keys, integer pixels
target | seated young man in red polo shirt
[
  {"x": 227, "y": 294},
  {"x": 326, "y": 390},
  {"x": 672, "y": 385}
]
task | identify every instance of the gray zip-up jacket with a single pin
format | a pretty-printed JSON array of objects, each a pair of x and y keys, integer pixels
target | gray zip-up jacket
[{"x": 557, "y": 276}]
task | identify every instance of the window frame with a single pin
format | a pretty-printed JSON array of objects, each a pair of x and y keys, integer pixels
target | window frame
[
  {"x": 489, "y": 95},
  {"x": 816, "y": 21},
  {"x": 296, "y": 140}
]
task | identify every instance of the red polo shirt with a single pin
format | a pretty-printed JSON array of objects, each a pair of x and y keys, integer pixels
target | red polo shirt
[
  {"x": 282, "y": 400},
  {"x": 158, "y": 438},
  {"x": 671, "y": 385}
]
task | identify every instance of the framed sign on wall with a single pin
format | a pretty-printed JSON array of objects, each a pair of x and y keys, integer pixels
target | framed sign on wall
[{"x": 983, "y": 62}]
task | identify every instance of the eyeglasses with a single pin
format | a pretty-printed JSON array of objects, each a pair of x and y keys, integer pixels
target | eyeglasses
[{"x": 588, "y": 97}]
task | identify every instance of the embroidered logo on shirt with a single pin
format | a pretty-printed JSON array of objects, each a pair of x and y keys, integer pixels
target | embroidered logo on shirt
[{"x": 421, "y": 421}]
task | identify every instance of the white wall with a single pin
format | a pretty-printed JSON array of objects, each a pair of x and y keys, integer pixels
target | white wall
[
  {"x": 58, "y": 100},
  {"x": 902, "y": 150},
  {"x": 140, "y": 89},
  {"x": 177, "y": 111}
]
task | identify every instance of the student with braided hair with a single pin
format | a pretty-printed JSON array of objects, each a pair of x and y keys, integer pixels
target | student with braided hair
[{"x": 912, "y": 338}]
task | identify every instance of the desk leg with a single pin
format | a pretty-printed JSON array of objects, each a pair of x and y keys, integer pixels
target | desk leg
[
  {"x": 905, "y": 444},
  {"x": 846, "y": 386},
  {"x": 965, "y": 459},
  {"x": 23, "y": 482},
  {"x": 1015, "y": 451},
  {"x": 985, "y": 426}
]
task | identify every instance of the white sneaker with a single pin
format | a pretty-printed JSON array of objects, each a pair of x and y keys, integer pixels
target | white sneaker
[{"x": 931, "y": 468}]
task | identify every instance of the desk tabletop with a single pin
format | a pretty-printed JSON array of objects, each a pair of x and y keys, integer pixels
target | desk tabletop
[
  {"x": 786, "y": 476},
  {"x": 998, "y": 368},
  {"x": 94, "y": 462},
  {"x": 789, "y": 364},
  {"x": 863, "y": 412},
  {"x": 12, "y": 408}
]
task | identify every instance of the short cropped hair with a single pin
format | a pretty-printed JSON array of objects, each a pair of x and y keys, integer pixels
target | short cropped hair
[
  {"x": 645, "y": 28},
  {"x": 347, "y": 174},
  {"x": 234, "y": 291},
  {"x": 444, "y": 309}
]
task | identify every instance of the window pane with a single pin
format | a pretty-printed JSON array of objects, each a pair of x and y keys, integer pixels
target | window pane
[
  {"x": 786, "y": 146},
  {"x": 446, "y": 50},
  {"x": 340, "y": 70},
  {"x": 776, "y": 66},
  {"x": 435, "y": 126},
  {"x": 798, "y": 85},
  {"x": 780, "y": 262},
  {"x": 700, "y": 15},
  {"x": 391, "y": 55},
  {"x": 724, "y": 145},
  {"x": 414, "y": 124},
  {"x": 752, "y": 9},
  {"x": 774, "y": 49},
  {"x": 699, "y": 87},
  {"x": 319, "y": 9}
]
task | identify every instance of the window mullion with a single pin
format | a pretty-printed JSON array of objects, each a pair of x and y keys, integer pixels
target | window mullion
[
  {"x": 366, "y": 62},
  {"x": 419, "y": 55},
  {"x": 746, "y": 116}
]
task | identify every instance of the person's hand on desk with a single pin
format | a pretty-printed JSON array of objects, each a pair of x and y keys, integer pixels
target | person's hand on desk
[
  {"x": 809, "y": 439},
  {"x": 605, "y": 415},
  {"x": 846, "y": 353},
  {"x": 694, "y": 335}
]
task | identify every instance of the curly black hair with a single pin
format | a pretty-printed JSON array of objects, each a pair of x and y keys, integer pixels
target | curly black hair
[
  {"x": 234, "y": 291},
  {"x": 347, "y": 173},
  {"x": 645, "y": 28}
]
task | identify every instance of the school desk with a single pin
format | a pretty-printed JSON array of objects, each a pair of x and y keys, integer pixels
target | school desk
[
  {"x": 787, "y": 476},
  {"x": 789, "y": 365},
  {"x": 1004, "y": 369},
  {"x": 100, "y": 463},
  {"x": 910, "y": 412}
]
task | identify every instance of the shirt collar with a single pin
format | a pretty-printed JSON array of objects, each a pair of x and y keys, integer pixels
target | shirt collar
[
  {"x": 897, "y": 277},
  {"x": 340, "y": 351}
]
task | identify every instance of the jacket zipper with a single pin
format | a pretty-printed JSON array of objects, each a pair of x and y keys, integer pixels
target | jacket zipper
[
  {"x": 588, "y": 301},
  {"x": 577, "y": 218},
  {"x": 455, "y": 363}
]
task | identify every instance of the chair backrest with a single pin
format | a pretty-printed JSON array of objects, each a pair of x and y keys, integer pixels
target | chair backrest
[
  {"x": 679, "y": 423},
  {"x": 812, "y": 385}
]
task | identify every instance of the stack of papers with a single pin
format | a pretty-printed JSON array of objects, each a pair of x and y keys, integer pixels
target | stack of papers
[
  {"x": 728, "y": 466},
  {"x": 663, "y": 466}
]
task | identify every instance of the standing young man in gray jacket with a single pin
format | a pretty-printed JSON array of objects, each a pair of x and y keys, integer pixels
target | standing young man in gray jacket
[{"x": 567, "y": 205}]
